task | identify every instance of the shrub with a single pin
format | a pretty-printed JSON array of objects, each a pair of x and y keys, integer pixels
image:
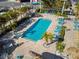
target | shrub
[{"x": 60, "y": 46}]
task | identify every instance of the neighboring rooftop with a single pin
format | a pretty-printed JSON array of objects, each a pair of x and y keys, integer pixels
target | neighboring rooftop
[
  {"x": 16, "y": 0},
  {"x": 12, "y": 4}
]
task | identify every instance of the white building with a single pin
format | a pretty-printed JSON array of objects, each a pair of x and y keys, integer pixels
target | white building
[
  {"x": 11, "y": 0},
  {"x": 20, "y": 0}
]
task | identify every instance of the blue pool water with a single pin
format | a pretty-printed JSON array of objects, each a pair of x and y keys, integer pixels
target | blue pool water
[{"x": 37, "y": 30}]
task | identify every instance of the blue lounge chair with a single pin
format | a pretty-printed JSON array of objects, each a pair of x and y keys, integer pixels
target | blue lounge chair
[
  {"x": 35, "y": 3},
  {"x": 61, "y": 21},
  {"x": 58, "y": 28}
]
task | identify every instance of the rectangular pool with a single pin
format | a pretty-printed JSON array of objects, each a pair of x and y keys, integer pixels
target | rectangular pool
[{"x": 37, "y": 30}]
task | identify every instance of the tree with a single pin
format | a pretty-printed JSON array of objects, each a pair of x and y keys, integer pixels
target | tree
[
  {"x": 68, "y": 4},
  {"x": 13, "y": 14},
  {"x": 8, "y": 17},
  {"x": 77, "y": 10},
  {"x": 48, "y": 36},
  {"x": 2, "y": 22},
  {"x": 47, "y": 3},
  {"x": 60, "y": 46},
  {"x": 62, "y": 34},
  {"x": 58, "y": 5},
  {"x": 11, "y": 17},
  {"x": 22, "y": 9}
]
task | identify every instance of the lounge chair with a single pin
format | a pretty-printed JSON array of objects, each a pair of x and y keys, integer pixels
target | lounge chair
[
  {"x": 35, "y": 55},
  {"x": 60, "y": 21},
  {"x": 19, "y": 57},
  {"x": 58, "y": 28}
]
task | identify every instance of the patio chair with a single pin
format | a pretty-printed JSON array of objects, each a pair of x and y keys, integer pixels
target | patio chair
[
  {"x": 60, "y": 21},
  {"x": 35, "y": 55},
  {"x": 19, "y": 57}
]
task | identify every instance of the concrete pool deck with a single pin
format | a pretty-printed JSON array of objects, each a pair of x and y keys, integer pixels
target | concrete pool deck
[{"x": 38, "y": 46}]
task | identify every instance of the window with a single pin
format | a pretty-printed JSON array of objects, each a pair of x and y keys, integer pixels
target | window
[{"x": 25, "y": 0}]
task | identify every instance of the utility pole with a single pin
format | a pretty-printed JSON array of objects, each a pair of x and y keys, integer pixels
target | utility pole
[
  {"x": 63, "y": 6},
  {"x": 40, "y": 5}
]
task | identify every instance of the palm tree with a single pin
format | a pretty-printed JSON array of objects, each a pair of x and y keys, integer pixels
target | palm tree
[
  {"x": 21, "y": 10},
  {"x": 48, "y": 37},
  {"x": 77, "y": 10},
  {"x": 11, "y": 17},
  {"x": 60, "y": 46},
  {"x": 2, "y": 23},
  {"x": 8, "y": 17},
  {"x": 13, "y": 14},
  {"x": 55, "y": 4},
  {"x": 62, "y": 33},
  {"x": 47, "y": 3},
  {"x": 58, "y": 5}
]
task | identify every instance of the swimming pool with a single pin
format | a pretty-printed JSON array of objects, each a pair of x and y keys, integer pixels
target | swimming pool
[{"x": 37, "y": 30}]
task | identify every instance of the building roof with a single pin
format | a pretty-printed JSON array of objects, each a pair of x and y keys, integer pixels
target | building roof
[{"x": 12, "y": 4}]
